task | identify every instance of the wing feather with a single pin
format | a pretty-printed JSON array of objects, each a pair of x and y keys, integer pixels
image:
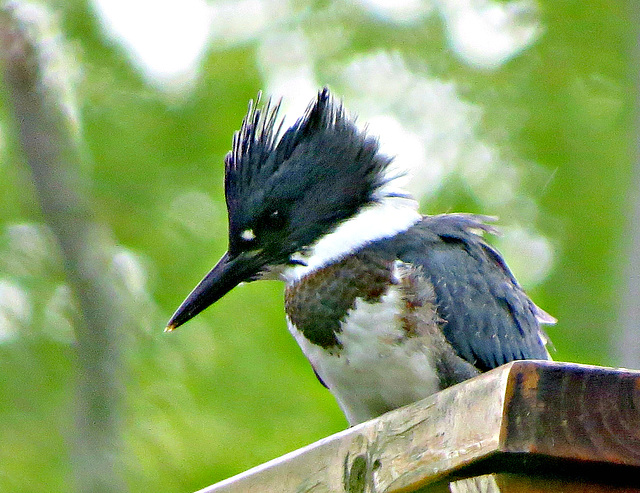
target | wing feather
[{"x": 488, "y": 318}]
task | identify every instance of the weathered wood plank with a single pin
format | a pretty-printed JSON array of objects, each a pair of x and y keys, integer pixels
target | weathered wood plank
[
  {"x": 573, "y": 411},
  {"x": 557, "y": 410},
  {"x": 396, "y": 450}
]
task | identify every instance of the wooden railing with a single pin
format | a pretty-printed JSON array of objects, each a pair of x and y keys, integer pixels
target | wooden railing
[{"x": 528, "y": 426}]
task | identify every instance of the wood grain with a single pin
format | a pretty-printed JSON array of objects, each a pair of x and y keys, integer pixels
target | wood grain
[
  {"x": 573, "y": 411},
  {"x": 525, "y": 412}
]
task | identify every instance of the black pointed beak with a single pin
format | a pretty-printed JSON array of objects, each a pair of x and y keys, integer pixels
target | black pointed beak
[{"x": 227, "y": 274}]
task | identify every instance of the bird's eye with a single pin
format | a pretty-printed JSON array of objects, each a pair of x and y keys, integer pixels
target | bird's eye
[{"x": 274, "y": 220}]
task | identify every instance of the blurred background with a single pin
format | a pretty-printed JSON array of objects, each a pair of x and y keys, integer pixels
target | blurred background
[{"x": 115, "y": 117}]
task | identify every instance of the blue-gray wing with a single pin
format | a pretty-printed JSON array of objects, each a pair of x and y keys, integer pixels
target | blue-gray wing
[{"x": 486, "y": 316}]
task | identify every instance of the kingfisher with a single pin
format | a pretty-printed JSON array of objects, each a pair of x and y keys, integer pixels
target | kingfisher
[{"x": 389, "y": 306}]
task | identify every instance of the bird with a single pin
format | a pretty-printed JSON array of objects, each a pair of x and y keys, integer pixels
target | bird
[{"x": 388, "y": 305}]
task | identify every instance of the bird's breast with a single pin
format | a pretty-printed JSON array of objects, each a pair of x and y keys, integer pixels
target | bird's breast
[
  {"x": 319, "y": 303},
  {"x": 366, "y": 334}
]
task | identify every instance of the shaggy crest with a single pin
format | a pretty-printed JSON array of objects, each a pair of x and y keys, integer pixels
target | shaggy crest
[{"x": 284, "y": 192}]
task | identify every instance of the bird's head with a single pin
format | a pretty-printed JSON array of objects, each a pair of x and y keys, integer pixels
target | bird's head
[{"x": 284, "y": 191}]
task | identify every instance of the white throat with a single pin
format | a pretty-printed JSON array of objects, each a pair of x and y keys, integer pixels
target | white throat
[{"x": 386, "y": 217}]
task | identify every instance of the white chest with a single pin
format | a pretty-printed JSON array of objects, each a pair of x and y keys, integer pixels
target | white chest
[{"x": 378, "y": 367}]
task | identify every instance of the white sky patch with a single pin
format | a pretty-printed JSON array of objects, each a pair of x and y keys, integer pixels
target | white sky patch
[
  {"x": 408, "y": 153},
  {"x": 129, "y": 270},
  {"x": 285, "y": 61},
  {"x": 487, "y": 34},
  {"x": 240, "y": 21},
  {"x": 15, "y": 310},
  {"x": 400, "y": 11},
  {"x": 165, "y": 38},
  {"x": 420, "y": 121}
]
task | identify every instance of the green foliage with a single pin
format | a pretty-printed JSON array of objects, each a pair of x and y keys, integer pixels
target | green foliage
[{"x": 231, "y": 389}]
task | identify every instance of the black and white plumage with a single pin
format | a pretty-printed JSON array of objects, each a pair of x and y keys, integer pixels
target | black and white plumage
[{"x": 389, "y": 306}]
